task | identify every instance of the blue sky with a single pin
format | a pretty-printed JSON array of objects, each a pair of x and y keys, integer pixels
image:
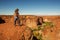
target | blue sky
[{"x": 30, "y": 7}]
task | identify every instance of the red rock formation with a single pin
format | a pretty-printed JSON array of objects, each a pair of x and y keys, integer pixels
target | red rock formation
[{"x": 9, "y": 32}]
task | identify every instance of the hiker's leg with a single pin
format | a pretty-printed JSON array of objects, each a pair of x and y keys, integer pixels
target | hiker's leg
[
  {"x": 15, "y": 21},
  {"x": 19, "y": 21}
]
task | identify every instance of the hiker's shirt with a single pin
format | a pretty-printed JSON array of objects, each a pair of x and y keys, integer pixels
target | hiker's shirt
[{"x": 16, "y": 15}]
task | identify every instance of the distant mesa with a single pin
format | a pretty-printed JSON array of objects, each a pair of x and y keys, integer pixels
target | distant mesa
[{"x": 2, "y": 21}]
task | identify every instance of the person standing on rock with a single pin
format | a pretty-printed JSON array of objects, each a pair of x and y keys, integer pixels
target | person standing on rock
[{"x": 16, "y": 17}]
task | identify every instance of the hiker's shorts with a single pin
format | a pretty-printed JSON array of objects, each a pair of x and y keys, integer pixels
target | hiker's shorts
[{"x": 16, "y": 19}]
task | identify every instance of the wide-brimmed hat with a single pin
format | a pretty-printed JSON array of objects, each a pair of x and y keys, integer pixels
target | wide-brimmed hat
[{"x": 17, "y": 9}]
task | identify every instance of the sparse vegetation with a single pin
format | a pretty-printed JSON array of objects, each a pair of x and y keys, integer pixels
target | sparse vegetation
[{"x": 38, "y": 32}]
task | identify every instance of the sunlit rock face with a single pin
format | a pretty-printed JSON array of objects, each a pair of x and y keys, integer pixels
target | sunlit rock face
[
  {"x": 28, "y": 34},
  {"x": 31, "y": 22}
]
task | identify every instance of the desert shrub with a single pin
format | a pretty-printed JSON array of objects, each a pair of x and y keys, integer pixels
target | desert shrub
[
  {"x": 37, "y": 35},
  {"x": 49, "y": 24},
  {"x": 38, "y": 32}
]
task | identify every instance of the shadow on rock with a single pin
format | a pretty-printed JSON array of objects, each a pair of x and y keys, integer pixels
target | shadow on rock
[{"x": 34, "y": 38}]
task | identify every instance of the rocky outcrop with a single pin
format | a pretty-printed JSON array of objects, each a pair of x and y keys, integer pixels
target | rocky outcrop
[
  {"x": 9, "y": 32},
  {"x": 2, "y": 21},
  {"x": 28, "y": 34}
]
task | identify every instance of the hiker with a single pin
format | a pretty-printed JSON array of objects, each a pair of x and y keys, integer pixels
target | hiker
[{"x": 16, "y": 17}]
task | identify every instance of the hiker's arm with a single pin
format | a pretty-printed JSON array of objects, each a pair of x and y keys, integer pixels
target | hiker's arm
[{"x": 18, "y": 15}]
